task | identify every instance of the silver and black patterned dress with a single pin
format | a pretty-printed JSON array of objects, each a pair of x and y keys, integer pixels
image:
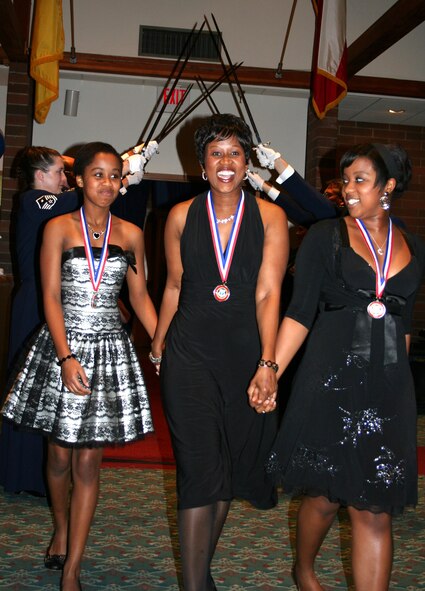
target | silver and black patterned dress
[{"x": 117, "y": 409}]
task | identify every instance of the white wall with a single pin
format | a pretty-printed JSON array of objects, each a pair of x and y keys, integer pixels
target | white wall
[
  {"x": 116, "y": 110},
  {"x": 253, "y": 32}
]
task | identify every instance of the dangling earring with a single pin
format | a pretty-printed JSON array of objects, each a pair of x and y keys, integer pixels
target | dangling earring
[
  {"x": 204, "y": 175},
  {"x": 246, "y": 175},
  {"x": 385, "y": 201}
]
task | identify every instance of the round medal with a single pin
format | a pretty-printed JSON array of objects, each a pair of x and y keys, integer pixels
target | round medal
[
  {"x": 376, "y": 309},
  {"x": 221, "y": 293},
  {"x": 94, "y": 300}
]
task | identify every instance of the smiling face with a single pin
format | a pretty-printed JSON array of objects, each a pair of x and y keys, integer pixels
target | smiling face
[
  {"x": 52, "y": 179},
  {"x": 101, "y": 179},
  {"x": 360, "y": 190},
  {"x": 225, "y": 165}
]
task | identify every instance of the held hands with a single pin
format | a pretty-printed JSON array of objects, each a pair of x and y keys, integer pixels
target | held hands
[
  {"x": 266, "y": 155},
  {"x": 262, "y": 390},
  {"x": 156, "y": 359},
  {"x": 74, "y": 377},
  {"x": 255, "y": 180}
]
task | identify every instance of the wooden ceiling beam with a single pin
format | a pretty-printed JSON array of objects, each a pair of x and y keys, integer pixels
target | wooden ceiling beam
[
  {"x": 161, "y": 68},
  {"x": 393, "y": 25}
]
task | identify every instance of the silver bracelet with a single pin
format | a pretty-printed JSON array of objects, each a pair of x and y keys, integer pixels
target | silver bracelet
[
  {"x": 155, "y": 360},
  {"x": 271, "y": 364}
]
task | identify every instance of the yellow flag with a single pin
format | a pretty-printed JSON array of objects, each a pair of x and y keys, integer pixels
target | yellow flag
[{"x": 46, "y": 51}]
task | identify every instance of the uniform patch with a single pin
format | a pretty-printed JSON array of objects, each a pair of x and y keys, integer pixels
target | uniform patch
[{"x": 46, "y": 201}]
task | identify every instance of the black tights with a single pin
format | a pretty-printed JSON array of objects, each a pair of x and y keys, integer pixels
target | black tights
[{"x": 199, "y": 532}]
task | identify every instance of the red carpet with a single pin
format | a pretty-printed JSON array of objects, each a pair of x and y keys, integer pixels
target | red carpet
[
  {"x": 155, "y": 451},
  {"x": 421, "y": 460}
]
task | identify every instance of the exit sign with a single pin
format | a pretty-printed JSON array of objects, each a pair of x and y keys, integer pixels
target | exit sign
[{"x": 176, "y": 95}]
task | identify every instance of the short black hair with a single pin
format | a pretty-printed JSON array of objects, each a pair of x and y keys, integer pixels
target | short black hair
[
  {"x": 222, "y": 127},
  {"x": 388, "y": 161}
]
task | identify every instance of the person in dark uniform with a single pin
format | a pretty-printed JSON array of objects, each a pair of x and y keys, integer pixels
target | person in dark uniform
[
  {"x": 226, "y": 255},
  {"x": 304, "y": 204}
]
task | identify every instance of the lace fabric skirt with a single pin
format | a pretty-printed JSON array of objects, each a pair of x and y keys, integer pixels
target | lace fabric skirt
[{"x": 117, "y": 409}]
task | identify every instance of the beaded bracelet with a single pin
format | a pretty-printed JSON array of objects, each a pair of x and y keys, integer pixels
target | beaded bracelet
[
  {"x": 153, "y": 359},
  {"x": 70, "y": 356},
  {"x": 272, "y": 364}
]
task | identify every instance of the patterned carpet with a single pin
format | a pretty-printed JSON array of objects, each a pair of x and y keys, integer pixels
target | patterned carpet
[{"x": 132, "y": 545}]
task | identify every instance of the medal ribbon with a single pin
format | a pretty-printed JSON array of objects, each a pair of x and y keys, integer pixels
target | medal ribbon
[
  {"x": 381, "y": 278},
  {"x": 224, "y": 260},
  {"x": 96, "y": 273}
]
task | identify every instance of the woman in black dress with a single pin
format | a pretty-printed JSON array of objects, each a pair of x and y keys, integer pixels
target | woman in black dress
[
  {"x": 348, "y": 436},
  {"x": 226, "y": 254}
]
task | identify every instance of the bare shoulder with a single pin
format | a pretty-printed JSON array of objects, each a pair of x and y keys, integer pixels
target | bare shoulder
[
  {"x": 125, "y": 226},
  {"x": 178, "y": 214},
  {"x": 61, "y": 223},
  {"x": 271, "y": 214},
  {"x": 180, "y": 210},
  {"x": 61, "y": 219},
  {"x": 125, "y": 234}
]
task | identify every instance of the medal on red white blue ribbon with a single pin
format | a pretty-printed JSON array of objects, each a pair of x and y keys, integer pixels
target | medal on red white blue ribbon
[
  {"x": 96, "y": 273},
  {"x": 377, "y": 309},
  {"x": 224, "y": 259}
]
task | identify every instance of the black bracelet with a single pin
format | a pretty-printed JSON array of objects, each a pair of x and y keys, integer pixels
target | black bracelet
[
  {"x": 272, "y": 364},
  {"x": 70, "y": 356}
]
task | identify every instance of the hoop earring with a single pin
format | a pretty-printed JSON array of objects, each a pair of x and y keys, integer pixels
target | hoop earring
[
  {"x": 385, "y": 201},
  {"x": 246, "y": 175},
  {"x": 204, "y": 175}
]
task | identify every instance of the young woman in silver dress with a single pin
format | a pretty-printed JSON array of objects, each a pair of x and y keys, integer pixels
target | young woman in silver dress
[{"x": 81, "y": 384}]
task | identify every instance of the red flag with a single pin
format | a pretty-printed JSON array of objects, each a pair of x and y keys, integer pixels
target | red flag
[{"x": 329, "y": 76}]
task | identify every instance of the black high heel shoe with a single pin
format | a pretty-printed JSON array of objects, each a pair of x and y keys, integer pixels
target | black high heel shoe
[{"x": 54, "y": 561}]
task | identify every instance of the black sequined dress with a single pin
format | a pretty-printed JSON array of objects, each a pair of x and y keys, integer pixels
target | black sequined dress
[
  {"x": 117, "y": 409},
  {"x": 349, "y": 431}
]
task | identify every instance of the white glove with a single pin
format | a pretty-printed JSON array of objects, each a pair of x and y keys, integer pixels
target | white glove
[
  {"x": 147, "y": 151},
  {"x": 266, "y": 155},
  {"x": 255, "y": 180},
  {"x": 135, "y": 178},
  {"x": 132, "y": 179},
  {"x": 136, "y": 163}
]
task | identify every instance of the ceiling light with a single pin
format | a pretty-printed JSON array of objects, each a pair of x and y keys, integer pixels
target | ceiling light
[{"x": 396, "y": 111}]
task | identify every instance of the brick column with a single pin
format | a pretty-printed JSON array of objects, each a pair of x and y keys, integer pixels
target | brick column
[
  {"x": 18, "y": 134},
  {"x": 322, "y": 135}
]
